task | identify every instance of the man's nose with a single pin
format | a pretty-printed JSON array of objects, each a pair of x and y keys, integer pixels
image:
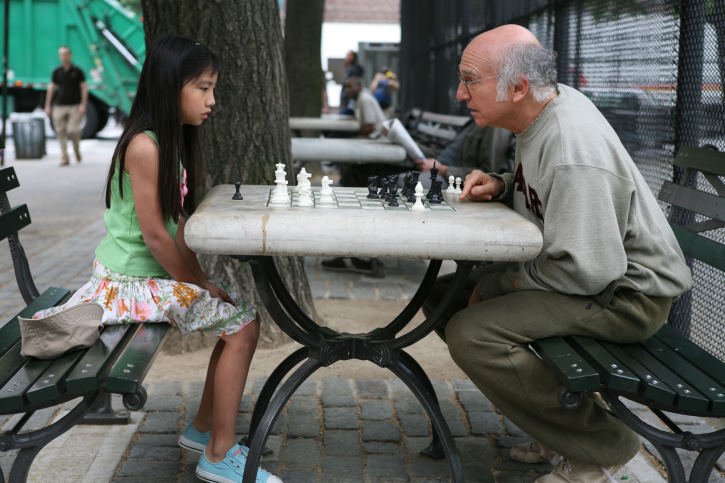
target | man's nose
[{"x": 462, "y": 92}]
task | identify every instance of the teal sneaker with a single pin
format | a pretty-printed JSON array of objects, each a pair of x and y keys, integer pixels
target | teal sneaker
[
  {"x": 194, "y": 440},
  {"x": 230, "y": 469}
]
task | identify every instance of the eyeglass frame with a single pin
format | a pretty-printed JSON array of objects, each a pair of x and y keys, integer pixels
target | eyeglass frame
[{"x": 474, "y": 81}]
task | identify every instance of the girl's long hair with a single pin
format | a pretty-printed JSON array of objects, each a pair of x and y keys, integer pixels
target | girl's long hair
[{"x": 172, "y": 62}]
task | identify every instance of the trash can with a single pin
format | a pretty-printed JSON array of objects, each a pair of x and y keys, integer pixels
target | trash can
[{"x": 29, "y": 137}]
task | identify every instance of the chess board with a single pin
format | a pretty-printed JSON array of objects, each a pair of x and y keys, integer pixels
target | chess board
[{"x": 356, "y": 199}]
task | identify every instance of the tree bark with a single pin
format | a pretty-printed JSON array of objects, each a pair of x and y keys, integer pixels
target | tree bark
[
  {"x": 248, "y": 131},
  {"x": 302, "y": 37}
]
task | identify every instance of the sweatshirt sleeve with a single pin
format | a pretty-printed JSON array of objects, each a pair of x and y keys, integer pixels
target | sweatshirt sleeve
[{"x": 585, "y": 220}]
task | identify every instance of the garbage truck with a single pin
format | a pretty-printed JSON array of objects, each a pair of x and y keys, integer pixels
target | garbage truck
[{"x": 107, "y": 42}]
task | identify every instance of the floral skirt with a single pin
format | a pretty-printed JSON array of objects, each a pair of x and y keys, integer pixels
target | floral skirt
[{"x": 128, "y": 299}]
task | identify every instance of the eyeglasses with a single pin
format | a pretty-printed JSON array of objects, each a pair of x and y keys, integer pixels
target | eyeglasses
[{"x": 468, "y": 83}]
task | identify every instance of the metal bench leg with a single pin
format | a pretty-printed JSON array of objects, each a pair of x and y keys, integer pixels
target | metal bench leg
[
  {"x": 102, "y": 413},
  {"x": 436, "y": 418},
  {"x": 270, "y": 415}
]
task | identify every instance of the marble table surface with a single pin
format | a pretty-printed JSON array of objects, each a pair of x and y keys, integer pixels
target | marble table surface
[
  {"x": 326, "y": 123},
  {"x": 456, "y": 230},
  {"x": 350, "y": 150}
]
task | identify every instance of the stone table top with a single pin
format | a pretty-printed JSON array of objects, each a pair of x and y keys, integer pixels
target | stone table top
[
  {"x": 354, "y": 226},
  {"x": 326, "y": 123},
  {"x": 348, "y": 150}
]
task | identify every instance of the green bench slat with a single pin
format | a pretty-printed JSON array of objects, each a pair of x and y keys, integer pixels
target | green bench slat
[
  {"x": 135, "y": 361},
  {"x": 696, "y": 379},
  {"x": 707, "y": 204},
  {"x": 687, "y": 399},
  {"x": 8, "y": 179},
  {"x": 700, "y": 248},
  {"x": 692, "y": 352},
  {"x": 570, "y": 368},
  {"x": 14, "y": 220},
  {"x": 51, "y": 384},
  {"x": 701, "y": 159},
  {"x": 613, "y": 372},
  {"x": 12, "y": 394},
  {"x": 10, "y": 332},
  {"x": 94, "y": 364},
  {"x": 10, "y": 363},
  {"x": 650, "y": 387}
]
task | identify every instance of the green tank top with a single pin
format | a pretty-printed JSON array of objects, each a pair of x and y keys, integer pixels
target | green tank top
[{"x": 123, "y": 249}]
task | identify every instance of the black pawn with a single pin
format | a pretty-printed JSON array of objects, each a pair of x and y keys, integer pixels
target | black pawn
[
  {"x": 237, "y": 193},
  {"x": 384, "y": 187},
  {"x": 373, "y": 187}
]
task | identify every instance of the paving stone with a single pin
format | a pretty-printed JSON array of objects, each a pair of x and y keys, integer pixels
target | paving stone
[
  {"x": 245, "y": 405},
  {"x": 146, "y": 452},
  {"x": 243, "y": 422},
  {"x": 341, "y": 443},
  {"x": 166, "y": 388},
  {"x": 515, "y": 477},
  {"x": 41, "y": 418},
  {"x": 511, "y": 441},
  {"x": 301, "y": 452},
  {"x": 307, "y": 388},
  {"x": 152, "y": 439},
  {"x": 302, "y": 404},
  {"x": 429, "y": 468},
  {"x": 371, "y": 388},
  {"x": 149, "y": 469},
  {"x": 414, "y": 424},
  {"x": 512, "y": 429},
  {"x": 408, "y": 404},
  {"x": 473, "y": 473},
  {"x": 476, "y": 451},
  {"x": 381, "y": 448},
  {"x": 168, "y": 402},
  {"x": 380, "y": 431},
  {"x": 337, "y": 392},
  {"x": 304, "y": 427},
  {"x": 375, "y": 410},
  {"x": 443, "y": 389},
  {"x": 280, "y": 425},
  {"x": 299, "y": 476},
  {"x": 474, "y": 401},
  {"x": 342, "y": 469},
  {"x": 341, "y": 418},
  {"x": 463, "y": 385},
  {"x": 161, "y": 422},
  {"x": 485, "y": 422},
  {"x": 386, "y": 468}
]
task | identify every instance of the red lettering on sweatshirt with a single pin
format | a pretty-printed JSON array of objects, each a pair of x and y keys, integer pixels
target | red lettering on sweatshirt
[{"x": 531, "y": 198}]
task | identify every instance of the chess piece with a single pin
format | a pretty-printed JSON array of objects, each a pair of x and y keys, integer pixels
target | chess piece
[
  {"x": 279, "y": 193},
  {"x": 418, "y": 205},
  {"x": 304, "y": 197},
  {"x": 383, "y": 187},
  {"x": 435, "y": 196},
  {"x": 433, "y": 180},
  {"x": 408, "y": 186},
  {"x": 451, "y": 185},
  {"x": 459, "y": 186},
  {"x": 373, "y": 187},
  {"x": 326, "y": 191},
  {"x": 237, "y": 193},
  {"x": 302, "y": 179}
]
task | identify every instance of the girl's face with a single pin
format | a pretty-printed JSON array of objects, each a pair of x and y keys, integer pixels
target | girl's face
[{"x": 197, "y": 99}]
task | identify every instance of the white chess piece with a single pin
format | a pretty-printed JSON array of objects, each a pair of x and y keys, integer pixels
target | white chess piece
[
  {"x": 304, "y": 196},
  {"x": 301, "y": 179},
  {"x": 279, "y": 193},
  {"x": 459, "y": 186},
  {"x": 326, "y": 191},
  {"x": 451, "y": 185},
  {"x": 418, "y": 205}
]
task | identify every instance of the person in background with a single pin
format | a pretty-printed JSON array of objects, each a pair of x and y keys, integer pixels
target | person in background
[
  {"x": 65, "y": 103},
  {"x": 384, "y": 84},
  {"x": 352, "y": 69}
]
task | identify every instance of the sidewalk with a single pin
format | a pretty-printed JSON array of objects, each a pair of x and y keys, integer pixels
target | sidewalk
[{"x": 333, "y": 429}]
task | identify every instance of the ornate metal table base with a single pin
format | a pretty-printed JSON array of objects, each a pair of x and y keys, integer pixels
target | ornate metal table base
[{"x": 324, "y": 346}]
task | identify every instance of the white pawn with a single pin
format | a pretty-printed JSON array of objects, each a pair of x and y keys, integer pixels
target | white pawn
[
  {"x": 326, "y": 191},
  {"x": 279, "y": 193},
  {"x": 451, "y": 185},
  {"x": 418, "y": 205},
  {"x": 459, "y": 186}
]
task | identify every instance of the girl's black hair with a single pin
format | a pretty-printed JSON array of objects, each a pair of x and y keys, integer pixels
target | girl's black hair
[{"x": 172, "y": 62}]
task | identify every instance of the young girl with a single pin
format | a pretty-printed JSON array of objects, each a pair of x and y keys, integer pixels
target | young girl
[{"x": 143, "y": 269}]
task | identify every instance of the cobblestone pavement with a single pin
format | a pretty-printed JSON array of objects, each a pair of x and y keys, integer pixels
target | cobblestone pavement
[{"x": 333, "y": 429}]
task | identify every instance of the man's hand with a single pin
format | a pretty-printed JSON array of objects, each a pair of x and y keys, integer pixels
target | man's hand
[
  {"x": 427, "y": 163},
  {"x": 47, "y": 111},
  {"x": 82, "y": 109},
  {"x": 475, "y": 296},
  {"x": 478, "y": 186},
  {"x": 216, "y": 292}
]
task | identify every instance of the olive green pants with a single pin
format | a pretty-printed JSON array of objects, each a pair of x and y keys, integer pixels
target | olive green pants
[{"x": 489, "y": 341}]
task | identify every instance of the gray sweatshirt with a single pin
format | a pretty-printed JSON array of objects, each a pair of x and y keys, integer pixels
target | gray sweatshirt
[{"x": 602, "y": 226}]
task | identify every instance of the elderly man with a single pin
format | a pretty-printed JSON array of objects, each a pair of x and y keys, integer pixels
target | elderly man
[
  {"x": 68, "y": 93},
  {"x": 609, "y": 268}
]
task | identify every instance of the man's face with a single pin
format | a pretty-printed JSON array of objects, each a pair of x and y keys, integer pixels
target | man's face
[
  {"x": 480, "y": 97},
  {"x": 351, "y": 89},
  {"x": 349, "y": 57},
  {"x": 64, "y": 55}
]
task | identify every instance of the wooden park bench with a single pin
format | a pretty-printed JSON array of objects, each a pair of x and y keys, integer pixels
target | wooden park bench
[
  {"x": 116, "y": 363},
  {"x": 667, "y": 372},
  {"x": 433, "y": 131}
]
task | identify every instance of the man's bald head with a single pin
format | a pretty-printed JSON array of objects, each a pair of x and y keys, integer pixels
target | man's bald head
[{"x": 490, "y": 45}]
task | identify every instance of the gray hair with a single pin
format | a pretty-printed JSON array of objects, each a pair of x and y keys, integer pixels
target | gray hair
[{"x": 532, "y": 61}]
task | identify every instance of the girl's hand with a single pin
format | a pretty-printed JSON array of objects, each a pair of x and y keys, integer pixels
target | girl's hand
[{"x": 216, "y": 292}]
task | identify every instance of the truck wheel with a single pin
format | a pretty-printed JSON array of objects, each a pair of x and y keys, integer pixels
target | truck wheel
[{"x": 89, "y": 126}]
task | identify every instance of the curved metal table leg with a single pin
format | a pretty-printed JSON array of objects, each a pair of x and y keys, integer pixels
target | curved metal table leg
[
  {"x": 434, "y": 412},
  {"x": 260, "y": 406},
  {"x": 434, "y": 449},
  {"x": 270, "y": 415}
]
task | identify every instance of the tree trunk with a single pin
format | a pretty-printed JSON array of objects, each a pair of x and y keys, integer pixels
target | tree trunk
[
  {"x": 248, "y": 131},
  {"x": 302, "y": 37}
]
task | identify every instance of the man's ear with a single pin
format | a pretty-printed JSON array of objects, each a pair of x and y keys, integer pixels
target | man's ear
[{"x": 520, "y": 89}]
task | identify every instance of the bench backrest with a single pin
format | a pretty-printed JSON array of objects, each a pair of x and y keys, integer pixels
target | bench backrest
[
  {"x": 12, "y": 220},
  {"x": 436, "y": 130},
  {"x": 697, "y": 217}
]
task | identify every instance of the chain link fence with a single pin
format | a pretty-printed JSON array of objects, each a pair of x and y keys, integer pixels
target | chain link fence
[{"x": 654, "y": 69}]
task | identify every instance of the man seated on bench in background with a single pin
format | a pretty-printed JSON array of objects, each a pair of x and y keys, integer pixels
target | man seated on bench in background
[
  {"x": 487, "y": 148},
  {"x": 609, "y": 268}
]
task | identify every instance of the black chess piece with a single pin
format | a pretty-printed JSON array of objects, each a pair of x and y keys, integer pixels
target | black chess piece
[
  {"x": 407, "y": 185},
  {"x": 392, "y": 197},
  {"x": 435, "y": 195},
  {"x": 373, "y": 187},
  {"x": 383, "y": 187},
  {"x": 237, "y": 193},
  {"x": 413, "y": 183}
]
